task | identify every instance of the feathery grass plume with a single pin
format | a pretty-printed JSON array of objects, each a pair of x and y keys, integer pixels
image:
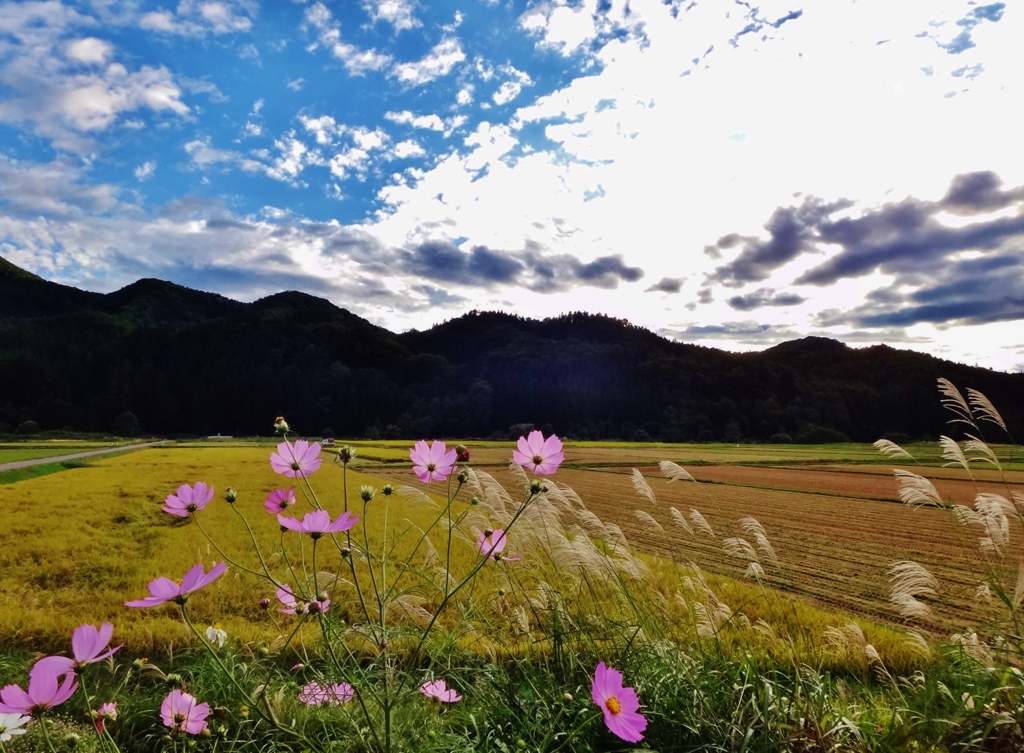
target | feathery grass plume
[
  {"x": 981, "y": 452},
  {"x": 674, "y": 472},
  {"x": 1018, "y": 499},
  {"x": 755, "y": 571},
  {"x": 983, "y": 593},
  {"x": 682, "y": 602},
  {"x": 415, "y": 497},
  {"x": 984, "y": 409},
  {"x": 992, "y": 510},
  {"x": 648, "y": 520},
  {"x": 849, "y": 637},
  {"x": 954, "y": 402},
  {"x": 409, "y": 606},
  {"x": 951, "y": 451},
  {"x": 711, "y": 617},
  {"x": 891, "y": 449},
  {"x": 917, "y": 644},
  {"x": 967, "y": 517},
  {"x": 765, "y": 629},
  {"x": 494, "y": 494},
  {"x": 519, "y": 475},
  {"x": 972, "y": 647},
  {"x": 571, "y": 495},
  {"x": 700, "y": 523},
  {"x": 910, "y": 580},
  {"x": 1018, "y": 591},
  {"x": 680, "y": 520},
  {"x": 643, "y": 489},
  {"x": 739, "y": 548},
  {"x": 590, "y": 523},
  {"x": 916, "y": 490},
  {"x": 754, "y": 528}
]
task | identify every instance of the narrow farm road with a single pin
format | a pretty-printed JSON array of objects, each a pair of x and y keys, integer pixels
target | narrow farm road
[{"x": 75, "y": 456}]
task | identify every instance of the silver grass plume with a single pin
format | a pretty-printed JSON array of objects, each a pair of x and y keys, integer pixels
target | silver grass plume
[
  {"x": 1018, "y": 591},
  {"x": 981, "y": 452},
  {"x": 951, "y": 451},
  {"x": 648, "y": 520},
  {"x": 992, "y": 509},
  {"x": 754, "y": 571},
  {"x": 765, "y": 629},
  {"x": 416, "y": 498},
  {"x": 917, "y": 644},
  {"x": 967, "y": 517},
  {"x": 891, "y": 449},
  {"x": 1018, "y": 500},
  {"x": 984, "y": 408},
  {"x": 974, "y": 648},
  {"x": 739, "y": 548},
  {"x": 916, "y": 490},
  {"x": 674, "y": 472},
  {"x": 571, "y": 495},
  {"x": 643, "y": 489},
  {"x": 519, "y": 475},
  {"x": 700, "y": 523},
  {"x": 954, "y": 401},
  {"x": 680, "y": 520},
  {"x": 911, "y": 580},
  {"x": 984, "y": 594},
  {"x": 755, "y": 529}
]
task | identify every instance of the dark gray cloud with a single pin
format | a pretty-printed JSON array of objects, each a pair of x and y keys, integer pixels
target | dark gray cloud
[
  {"x": 667, "y": 285},
  {"x": 941, "y": 273},
  {"x": 764, "y": 297}
]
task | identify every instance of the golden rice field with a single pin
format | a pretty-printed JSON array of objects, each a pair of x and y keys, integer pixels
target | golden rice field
[{"x": 77, "y": 544}]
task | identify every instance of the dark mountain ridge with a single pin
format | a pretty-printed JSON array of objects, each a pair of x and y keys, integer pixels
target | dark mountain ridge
[{"x": 190, "y": 362}]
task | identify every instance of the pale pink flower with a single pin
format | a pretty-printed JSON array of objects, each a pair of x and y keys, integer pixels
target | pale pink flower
[
  {"x": 493, "y": 544},
  {"x": 43, "y": 693},
  {"x": 181, "y": 713},
  {"x": 318, "y": 522},
  {"x": 432, "y": 462},
  {"x": 315, "y": 694},
  {"x": 163, "y": 589},
  {"x": 541, "y": 456},
  {"x": 106, "y": 714},
  {"x": 188, "y": 499},
  {"x": 439, "y": 690},
  {"x": 619, "y": 704},
  {"x": 87, "y": 645},
  {"x": 294, "y": 606},
  {"x": 279, "y": 501},
  {"x": 299, "y": 459}
]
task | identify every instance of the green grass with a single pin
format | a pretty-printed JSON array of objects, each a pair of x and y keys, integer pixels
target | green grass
[{"x": 36, "y": 471}]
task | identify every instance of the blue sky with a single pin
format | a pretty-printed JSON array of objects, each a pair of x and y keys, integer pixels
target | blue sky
[{"x": 725, "y": 173}]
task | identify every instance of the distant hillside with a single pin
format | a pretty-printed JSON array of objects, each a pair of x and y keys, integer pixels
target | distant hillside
[{"x": 189, "y": 362}]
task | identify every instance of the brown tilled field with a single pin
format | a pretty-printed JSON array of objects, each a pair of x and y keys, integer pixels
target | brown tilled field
[{"x": 835, "y": 528}]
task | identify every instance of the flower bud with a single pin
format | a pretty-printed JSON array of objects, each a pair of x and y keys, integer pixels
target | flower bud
[
  {"x": 383, "y": 645},
  {"x": 298, "y": 667},
  {"x": 219, "y": 712},
  {"x": 521, "y": 744},
  {"x": 175, "y": 680},
  {"x": 231, "y": 495},
  {"x": 244, "y": 711},
  {"x": 346, "y": 551},
  {"x": 280, "y": 425},
  {"x": 264, "y": 603},
  {"x": 262, "y": 650},
  {"x": 366, "y": 493},
  {"x": 205, "y": 732},
  {"x": 346, "y": 453},
  {"x": 140, "y": 662},
  {"x": 474, "y": 501},
  {"x": 388, "y": 490},
  {"x": 537, "y": 486},
  {"x": 461, "y": 453},
  {"x": 72, "y": 739},
  {"x": 463, "y": 476},
  {"x": 567, "y": 697},
  {"x": 488, "y": 532},
  {"x": 501, "y": 592}
]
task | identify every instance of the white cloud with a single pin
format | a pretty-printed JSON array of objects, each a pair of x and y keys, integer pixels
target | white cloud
[
  {"x": 511, "y": 88},
  {"x": 196, "y": 19},
  {"x": 356, "y": 61},
  {"x": 145, "y": 171},
  {"x": 202, "y": 154},
  {"x": 296, "y": 84},
  {"x": 252, "y": 129},
  {"x": 465, "y": 95},
  {"x": 408, "y": 148},
  {"x": 439, "y": 62},
  {"x": 398, "y": 13},
  {"x": 90, "y": 51},
  {"x": 430, "y": 122},
  {"x": 293, "y": 157}
]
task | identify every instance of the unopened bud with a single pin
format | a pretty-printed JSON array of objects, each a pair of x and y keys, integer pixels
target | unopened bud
[
  {"x": 263, "y": 650},
  {"x": 388, "y": 490},
  {"x": 264, "y": 603},
  {"x": 366, "y": 493},
  {"x": 537, "y": 486},
  {"x": 346, "y": 453},
  {"x": 175, "y": 680},
  {"x": 488, "y": 533},
  {"x": 140, "y": 662},
  {"x": 463, "y": 476},
  {"x": 567, "y": 697},
  {"x": 346, "y": 552},
  {"x": 298, "y": 667},
  {"x": 71, "y": 739},
  {"x": 244, "y": 711},
  {"x": 205, "y": 732},
  {"x": 219, "y": 712},
  {"x": 501, "y": 592},
  {"x": 280, "y": 425},
  {"x": 383, "y": 645},
  {"x": 231, "y": 495},
  {"x": 474, "y": 501}
]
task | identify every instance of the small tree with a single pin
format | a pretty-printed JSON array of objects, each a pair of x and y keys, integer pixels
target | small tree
[
  {"x": 126, "y": 425},
  {"x": 28, "y": 427}
]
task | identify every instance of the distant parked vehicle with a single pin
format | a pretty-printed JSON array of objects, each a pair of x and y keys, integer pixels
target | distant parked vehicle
[{"x": 327, "y": 442}]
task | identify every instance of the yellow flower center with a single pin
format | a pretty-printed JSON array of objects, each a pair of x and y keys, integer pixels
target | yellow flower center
[{"x": 613, "y": 705}]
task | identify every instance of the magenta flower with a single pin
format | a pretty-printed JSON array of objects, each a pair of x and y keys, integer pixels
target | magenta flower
[
  {"x": 541, "y": 456},
  {"x": 279, "y": 501},
  {"x": 106, "y": 714},
  {"x": 437, "y": 689},
  {"x": 318, "y": 522},
  {"x": 294, "y": 606},
  {"x": 87, "y": 644},
  {"x": 163, "y": 589},
  {"x": 433, "y": 462},
  {"x": 299, "y": 459},
  {"x": 181, "y": 713},
  {"x": 189, "y": 499},
  {"x": 619, "y": 704},
  {"x": 43, "y": 693},
  {"x": 492, "y": 545},
  {"x": 315, "y": 694}
]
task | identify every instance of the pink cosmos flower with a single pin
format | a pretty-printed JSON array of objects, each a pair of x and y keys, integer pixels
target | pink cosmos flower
[
  {"x": 315, "y": 694},
  {"x": 437, "y": 689},
  {"x": 294, "y": 606},
  {"x": 433, "y": 462},
  {"x": 619, "y": 704},
  {"x": 299, "y": 459},
  {"x": 318, "y": 522},
  {"x": 181, "y": 713},
  {"x": 105, "y": 714},
  {"x": 279, "y": 501},
  {"x": 163, "y": 589},
  {"x": 493, "y": 544},
  {"x": 87, "y": 644},
  {"x": 43, "y": 693},
  {"x": 542, "y": 456},
  {"x": 189, "y": 499}
]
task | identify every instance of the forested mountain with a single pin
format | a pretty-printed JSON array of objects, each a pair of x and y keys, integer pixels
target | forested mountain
[{"x": 189, "y": 362}]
